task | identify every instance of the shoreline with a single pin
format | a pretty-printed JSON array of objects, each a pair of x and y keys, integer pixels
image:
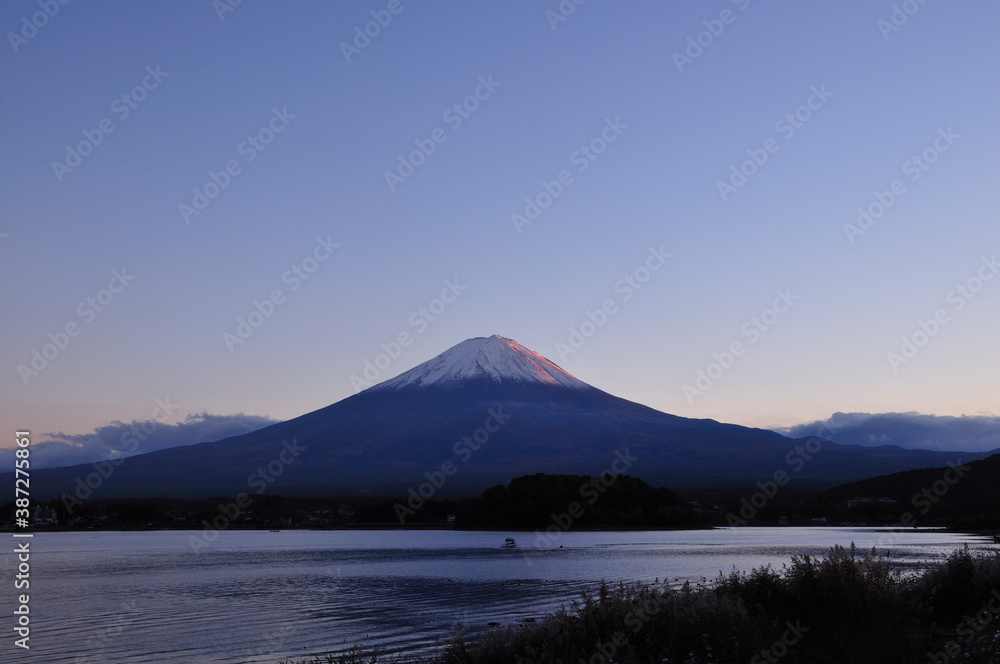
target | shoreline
[
  {"x": 797, "y": 616},
  {"x": 444, "y": 527}
]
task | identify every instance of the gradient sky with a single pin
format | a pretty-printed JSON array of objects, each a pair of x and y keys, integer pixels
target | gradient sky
[{"x": 654, "y": 186}]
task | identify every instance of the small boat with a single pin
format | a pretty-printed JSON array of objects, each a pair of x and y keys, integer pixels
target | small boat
[{"x": 509, "y": 543}]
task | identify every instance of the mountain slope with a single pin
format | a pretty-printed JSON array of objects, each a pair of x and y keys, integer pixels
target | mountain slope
[
  {"x": 961, "y": 494},
  {"x": 477, "y": 415}
]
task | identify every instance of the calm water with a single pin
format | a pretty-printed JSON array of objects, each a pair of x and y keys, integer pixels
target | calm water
[{"x": 260, "y": 596}]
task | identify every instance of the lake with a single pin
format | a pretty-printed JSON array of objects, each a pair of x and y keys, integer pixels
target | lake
[{"x": 252, "y": 596}]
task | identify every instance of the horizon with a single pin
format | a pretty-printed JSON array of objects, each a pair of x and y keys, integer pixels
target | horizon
[
  {"x": 234, "y": 210},
  {"x": 119, "y": 439}
]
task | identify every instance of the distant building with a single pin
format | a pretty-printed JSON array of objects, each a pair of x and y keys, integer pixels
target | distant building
[
  {"x": 782, "y": 520},
  {"x": 819, "y": 521},
  {"x": 854, "y": 502},
  {"x": 45, "y": 516}
]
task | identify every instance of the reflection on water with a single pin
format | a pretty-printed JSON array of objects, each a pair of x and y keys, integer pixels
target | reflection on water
[{"x": 257, "y": 596}]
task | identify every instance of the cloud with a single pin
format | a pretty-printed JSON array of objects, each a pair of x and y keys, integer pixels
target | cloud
[
  {"x": 968, "y": 433},
  {"x": 125, "y": 439}
]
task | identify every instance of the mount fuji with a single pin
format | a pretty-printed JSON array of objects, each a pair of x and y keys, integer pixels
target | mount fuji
[{"x": 480, "y": 413}]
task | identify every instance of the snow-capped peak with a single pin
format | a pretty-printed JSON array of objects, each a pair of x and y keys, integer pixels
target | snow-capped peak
[{"x": 493, "y": 358}]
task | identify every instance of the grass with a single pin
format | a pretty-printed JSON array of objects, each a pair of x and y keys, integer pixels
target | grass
[{"x": 846, "y": 607}]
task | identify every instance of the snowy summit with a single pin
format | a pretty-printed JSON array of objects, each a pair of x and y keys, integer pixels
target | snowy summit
[{"x": 493, "y": 358}]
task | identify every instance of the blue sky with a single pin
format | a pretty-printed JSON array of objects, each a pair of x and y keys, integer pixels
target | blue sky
[{"x": 800, "y": 317}]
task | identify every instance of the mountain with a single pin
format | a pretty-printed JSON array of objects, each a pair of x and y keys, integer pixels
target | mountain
[
  {"x": 962, "y": 494},
  {"x": 476, "y": 415}
]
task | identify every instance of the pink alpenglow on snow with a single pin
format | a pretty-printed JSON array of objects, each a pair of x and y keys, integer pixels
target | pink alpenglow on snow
[{"x": 493, "y": 358}]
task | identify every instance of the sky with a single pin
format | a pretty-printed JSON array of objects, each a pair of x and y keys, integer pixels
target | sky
[{"x": 760, "y": 213}]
